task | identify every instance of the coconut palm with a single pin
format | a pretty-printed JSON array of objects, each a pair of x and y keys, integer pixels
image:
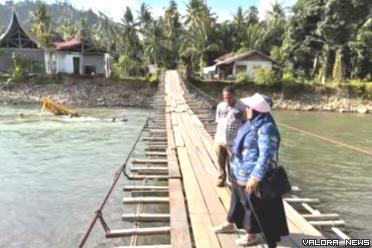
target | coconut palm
[
  {"x": 144, "y": 16},
  {"x": 196, "y": 11},
  {"x": 154, "y": 43},
  {"x": 106, "y": 33},
  {"x": 198, "y": 43},
  {"x": 129, "y": 38}
]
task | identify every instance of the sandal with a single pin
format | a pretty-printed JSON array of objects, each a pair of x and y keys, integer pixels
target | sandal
[
  {"x": 246, "y": 240},
  {"x": 223, "y": 228}
]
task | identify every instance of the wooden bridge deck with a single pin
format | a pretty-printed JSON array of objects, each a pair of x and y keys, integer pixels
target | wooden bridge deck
[{"x": 197, "y": 204}]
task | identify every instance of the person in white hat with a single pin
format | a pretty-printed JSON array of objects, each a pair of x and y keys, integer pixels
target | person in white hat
[{"x": 254, "y": 149}]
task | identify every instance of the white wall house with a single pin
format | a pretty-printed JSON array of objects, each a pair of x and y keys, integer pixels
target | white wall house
[
  {"x": 243, "y": 63},
  {"x": 73, "y": 57}
]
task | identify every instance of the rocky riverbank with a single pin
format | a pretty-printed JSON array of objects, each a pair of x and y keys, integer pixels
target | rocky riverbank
[
  {"x": 329, "y": 104},
  {"x": 302, "y": 98},
  {"x": 80, "y": 92}
]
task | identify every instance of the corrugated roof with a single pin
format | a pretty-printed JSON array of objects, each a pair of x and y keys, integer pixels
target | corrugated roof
[
  {"x": 242, "y": 55},
  {"x": 67, "y": 44}
]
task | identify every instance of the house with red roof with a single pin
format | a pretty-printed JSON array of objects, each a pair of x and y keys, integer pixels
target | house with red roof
[{"x": 78, "y": 57}]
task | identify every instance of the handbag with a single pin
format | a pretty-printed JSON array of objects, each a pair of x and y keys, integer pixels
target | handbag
[{"x": 275, "y": 183}]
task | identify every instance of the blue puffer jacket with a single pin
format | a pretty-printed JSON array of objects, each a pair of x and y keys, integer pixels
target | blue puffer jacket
[{"x": 254, "y": 148}]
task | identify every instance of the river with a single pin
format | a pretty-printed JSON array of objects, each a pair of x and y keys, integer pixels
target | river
[{"x": 54, "y": 171}]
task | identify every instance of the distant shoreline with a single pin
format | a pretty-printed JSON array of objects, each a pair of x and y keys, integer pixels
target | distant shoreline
[
  {"x": 79, "y": 92},
  {"x": 298, "y": 99}
]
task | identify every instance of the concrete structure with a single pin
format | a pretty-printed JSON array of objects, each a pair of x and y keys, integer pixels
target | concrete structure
[
  {"x": 77, "y": 57},
  {"x": 228, "y": 65},
  {"x": 16, "y": 43}
]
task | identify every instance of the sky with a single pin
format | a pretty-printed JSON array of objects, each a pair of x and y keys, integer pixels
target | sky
[{"x": 223, "y": 8}]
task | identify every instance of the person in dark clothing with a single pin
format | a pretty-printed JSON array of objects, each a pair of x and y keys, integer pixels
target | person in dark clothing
[{"x": 253, "y": 151}]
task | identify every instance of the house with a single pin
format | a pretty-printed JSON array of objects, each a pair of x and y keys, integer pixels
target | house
[
  {"x": 230, "y": 65},
  {"x": 77, "y": 57},
  {"x": 16, "y": 43}
]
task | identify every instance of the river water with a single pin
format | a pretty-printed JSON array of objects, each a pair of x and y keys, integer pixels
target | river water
[{"x": 54, "y": 171}]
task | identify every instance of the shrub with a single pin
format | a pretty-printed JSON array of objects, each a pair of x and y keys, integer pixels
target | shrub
[
  {"x": 265, "y": 76},
  {"x": 288, "y": 78},
  {"x": 241, "y": 78},
  {"x": 154, "y": 79}
]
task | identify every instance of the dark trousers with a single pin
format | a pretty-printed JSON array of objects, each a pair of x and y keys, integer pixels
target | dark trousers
[{"x": 270, "y": 214}]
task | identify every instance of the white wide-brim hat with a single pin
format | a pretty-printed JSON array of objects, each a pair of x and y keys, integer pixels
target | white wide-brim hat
[{"x": 257, "y": 102}]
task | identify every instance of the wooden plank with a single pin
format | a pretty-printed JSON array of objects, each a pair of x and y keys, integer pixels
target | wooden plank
[
  {"x": 215, "y": 208},
  {"x": 138, "y": 231},
  {"x": 145, "y": 246},
  {"x": 148, "y": 200},
  {"x": 150, "y": 161},
  {"x": 173, "y": 167},
  {"x": 200, "y": 222},
  {"x": 340, "y": 233},
  {"x": 149, "y": 169},
  {"x": 321, "y": 216},
  {"x": 324, "y": 223},
  {"x": 180, "y": 232},
  {"x": 144, "y": 187},
  {"x": 156, "y": 148},
  {"x": 178, "y": 137},
  {"x": 301, "y": 200},
  {"x": 158, "y": 139},
  {"x": 146, "y": 217},
  {"x": 148, "y": 177},
  {"x": 160, "y": 154}
]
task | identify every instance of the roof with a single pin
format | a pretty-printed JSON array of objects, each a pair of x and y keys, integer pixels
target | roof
[
  {"x": 243, "y": 55},
  {"x": 67, "y": 44},
  {"x": 224, "y": 57},
  {"x": 77, "y": 45},
  {"x": 16, "y": 37}
]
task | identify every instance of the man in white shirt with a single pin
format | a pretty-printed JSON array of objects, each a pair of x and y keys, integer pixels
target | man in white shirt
[{"x": 229, "y": 118}]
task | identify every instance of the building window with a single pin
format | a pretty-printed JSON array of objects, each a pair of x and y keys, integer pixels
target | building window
[{"x": 240, "y": 69}]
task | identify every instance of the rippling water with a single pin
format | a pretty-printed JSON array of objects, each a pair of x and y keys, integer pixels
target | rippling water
[
  {"x": 340, "y": 177},
  {"x": 55, "y": 171}
]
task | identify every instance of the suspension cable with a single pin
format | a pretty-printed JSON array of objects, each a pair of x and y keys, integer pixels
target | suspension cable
[
  {"x": 355, "y": 148},
  {"x": 358, "y": 149},
  {"x": 98, "y": 213}
]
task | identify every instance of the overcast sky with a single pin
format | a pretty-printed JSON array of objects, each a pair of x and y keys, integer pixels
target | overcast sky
[{"x": 224, "y": 9}]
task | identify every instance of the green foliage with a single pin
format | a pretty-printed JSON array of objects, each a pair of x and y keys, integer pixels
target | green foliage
[
  {"x": 265, "y": 76},
  {"x": 356, "y": 88},
  {"x": 288, "y": 78},
  {"x": 241, "y": 78},
  {"x": 154, "y": 79},
  {"x": 338, "y": 74},
  {"x": 126, "y": 67},
  {"x": 18, "y": 73}
]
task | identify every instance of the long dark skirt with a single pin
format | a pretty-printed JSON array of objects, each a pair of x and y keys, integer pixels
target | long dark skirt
[{"x": 270, "y": 213}]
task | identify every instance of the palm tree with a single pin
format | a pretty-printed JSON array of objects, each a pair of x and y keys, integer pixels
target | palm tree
[
  {"x": 42, "y": 29},
  {"x": 144, "y": 16},
  {"x": 68, "y": 29},
  {"x": 106, "y": 33},
  {"x": 196, "y": 11},
  {"x": 255, "y": 38},
  {"x": 277, "y": 13},
  {"x": 129, "y": 37},
  {"x": 154, "y": 44},
  {"x": 41, "y": 20},
  {"x": 173, "y": 32},
  {"x": 197, "y": 44}
]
